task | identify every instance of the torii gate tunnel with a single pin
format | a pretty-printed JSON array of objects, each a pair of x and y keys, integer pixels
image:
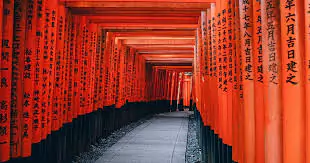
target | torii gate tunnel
[{"x": 72, "y": 71}]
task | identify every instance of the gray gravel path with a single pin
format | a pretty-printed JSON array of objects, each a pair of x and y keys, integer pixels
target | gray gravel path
[
  {"x": 96, "y": 150},
  {"x": 193, "y": 152}
]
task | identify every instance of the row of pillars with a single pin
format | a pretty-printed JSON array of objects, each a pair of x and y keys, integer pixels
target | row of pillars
[{"x": 251, "y": 78}]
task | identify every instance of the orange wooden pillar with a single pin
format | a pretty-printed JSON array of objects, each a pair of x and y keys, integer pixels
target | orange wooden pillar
[
  {"x": 38, "y": 78},
  {"x": 230, "y": 64},
  {"x": 53, "y": 7},
  {"x": 239, "y": 82},
  {"x": 57, "y": 100},
  {"x": 307, "y": 66},
  {"x": 224, "y": 70},
  {"x": 17, "y": 72},
  {"x": 246, "y": 34},
  {"x": 28, "y": 78},
  {"x": 270, "y": 18},
  {"x": 77, "y": 66},
  {"x": 236, "y": 148},
  {"x": 258, "y": 83},
  {"x": 219, "y": 69},
  {"x": 292, "y": 41},
  {"x": 5, "y": 85},
  {"x": 70, "y": 62},
  {"x": 97, "y": 70}
]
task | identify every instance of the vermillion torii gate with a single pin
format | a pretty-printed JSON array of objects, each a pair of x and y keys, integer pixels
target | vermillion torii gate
[{"x": 71, "y": 69}]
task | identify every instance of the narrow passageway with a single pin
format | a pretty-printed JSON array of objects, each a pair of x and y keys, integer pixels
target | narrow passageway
[{"x": 161, "y": 139}]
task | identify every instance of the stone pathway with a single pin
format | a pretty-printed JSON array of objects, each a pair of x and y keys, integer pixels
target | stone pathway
[{"x": 161, "y": 139}]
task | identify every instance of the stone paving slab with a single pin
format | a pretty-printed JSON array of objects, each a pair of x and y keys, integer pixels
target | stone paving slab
[{"x": 161, "y": 139}]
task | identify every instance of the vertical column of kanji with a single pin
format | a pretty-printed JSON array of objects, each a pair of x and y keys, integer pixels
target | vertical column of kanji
[
  {"x": 130, "y": 74},
  {"x": 38, "y": 78},
  {"x": 90, "y": 66},
  {"x": 70, "y": 63},
  {"x": 57, "y": 101},
  {"x": 93, "y": 65},
  {"x": 65, "y": 68},
  {"x": 213, "y": 68},
  {"x": 307, "y": 42},
  {"x": 219, "y": 66},
  {"x": 258, "y": 83},
  {"x": 28, "y": 77},
  {"x": 111, "y": 70},
  {"x": 81, "y": 37},
  {"x": 293, "y": 104},
  {"x": 208, "y": 69},
  {"x": 224, "y": 69},
  {"x": 234, "y": 87},
  {"x": 45, "y": 69},
  {"x": 239, "y": 78},
  {"x": 53, "y": 5},
  {"x": 97, "y": 70},
  {"x": 87, "y": 68},
  {"x": 121, "y": 73},
  {"x": 230, "y": 66},
  {"x": 76, "y": 65},
  {"x": 17, "y": 72},
  {"x": 6, "y": 78},
  {"x": 204, "y": 82},
  {"x": 107, "y": 68},
  {"x": 271, "y": 50},
  {"x": 118, "y": 52},
  {"x": 246, "y": 24},
  {"x": 102, "y": 69}
]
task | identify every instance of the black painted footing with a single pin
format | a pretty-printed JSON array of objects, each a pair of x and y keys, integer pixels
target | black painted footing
[
  {"x": 75, "y": 137},
  {"x": 213, "y": 149}
]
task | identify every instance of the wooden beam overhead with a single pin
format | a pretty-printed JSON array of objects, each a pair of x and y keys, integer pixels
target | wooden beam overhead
[
  {"x": 146, "y": 26},
  {"x": 140, "y": 4},
  {"x": 135, "y": 42},
  {"x": 126, "y": 12},
  {"x": 155, "y": 33},
  {"x": 167, "y": 56},
  {"x": 160, "y": 46},
  {"x": 176, "y": 1}
]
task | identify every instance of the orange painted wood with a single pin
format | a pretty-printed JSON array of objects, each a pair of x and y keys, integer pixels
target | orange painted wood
[
  {"x": 71, "y": 58},
  {"x": 17, "y": 94},
  {"x": 107, "y": 69},
  {"x": 65, "y": 68},
  {"x": 97, "y": 88},
  {"x": 28, "y": 78},
  {"x": 53, "y": 9},
  {"x": 239, "y": 79},
  {"x": 38, "y": 77},
  {"x": 121, "y": 4},
  {"x": 6, "y": 70},
  {"x": 45, "y": 70},
  {"x": 76, "y": 65},
  {"x": 57, "y": 100},
  {"x": 82, "y": 66},
  {"x": 236, "y": 150},
  {"x": 229, "y": 73},
  {"x": 272, "y": 80},
  {"x": 258, "y": 83},
  {"x": 292, "y": 31},
  {"x": 246, "y": 34},
  {"x": 307, "y": 67}
]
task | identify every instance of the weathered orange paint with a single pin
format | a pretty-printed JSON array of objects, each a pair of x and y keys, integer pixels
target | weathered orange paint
[
  {"x": 292, "y": 31},
  {"x": 6, "y": 78}
]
